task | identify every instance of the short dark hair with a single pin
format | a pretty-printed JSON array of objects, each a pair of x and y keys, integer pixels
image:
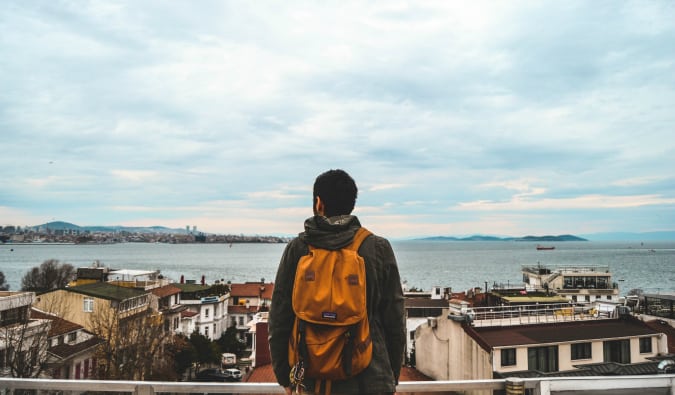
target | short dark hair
[{"x": 337, "y": 191}]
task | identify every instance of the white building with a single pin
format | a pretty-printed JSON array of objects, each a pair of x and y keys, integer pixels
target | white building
[
  {"x": 210, "y": 305},
  {"x": 530, "y": 341}
]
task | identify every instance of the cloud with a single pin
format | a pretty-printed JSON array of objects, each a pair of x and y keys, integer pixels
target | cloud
[
  {"x": 142, "y": 111},
  {"x": 580, "y": 202}
]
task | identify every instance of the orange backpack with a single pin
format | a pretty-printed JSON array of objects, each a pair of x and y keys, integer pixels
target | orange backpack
[{"x": 331, "y": 335}]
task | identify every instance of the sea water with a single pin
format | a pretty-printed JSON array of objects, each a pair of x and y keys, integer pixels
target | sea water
[{"x": 649, "y": 266}]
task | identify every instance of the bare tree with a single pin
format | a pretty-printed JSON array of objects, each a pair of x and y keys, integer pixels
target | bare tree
[
  {"x": 23, "y": 340},
  {"x": 51, "y": 274},
  {"x": 132, "y": 346}
]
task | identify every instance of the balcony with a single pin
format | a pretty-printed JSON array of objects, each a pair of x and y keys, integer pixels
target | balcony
[
  {"x": 645, "y": 385},
  {"x": 525, "y": 314}
]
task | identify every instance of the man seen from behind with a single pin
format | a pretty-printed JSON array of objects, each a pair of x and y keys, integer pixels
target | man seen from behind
[{"x": 333, "y": 227}]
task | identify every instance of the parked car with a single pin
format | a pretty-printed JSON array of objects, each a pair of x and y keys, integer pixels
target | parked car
[
  {"x": 213, "y": 374},
  {"x": 234, "y": 374}
]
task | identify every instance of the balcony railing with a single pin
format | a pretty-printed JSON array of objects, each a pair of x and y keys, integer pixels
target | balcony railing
[
  {"x": 656, "y": 384},
  {"x": 529, "y": 314}
]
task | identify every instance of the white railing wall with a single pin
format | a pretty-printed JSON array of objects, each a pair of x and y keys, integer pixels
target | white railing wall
[{"x": 663, "y": 384}]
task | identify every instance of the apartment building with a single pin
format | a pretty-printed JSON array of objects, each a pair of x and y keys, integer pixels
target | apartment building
[
  {"x": 83, "y": 304},
  {"x": 71, "y": 352},
  {"x": 529, "y": 341},
  {"x": 208, "y": 305},
  {"x": 167, "y": 301},
  {"x": 246, "y": 300}
]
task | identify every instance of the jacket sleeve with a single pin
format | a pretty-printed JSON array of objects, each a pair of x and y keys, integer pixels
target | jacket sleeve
[
  {"x": 281, "y": 314},
  {"x": 393, "y": 308}
]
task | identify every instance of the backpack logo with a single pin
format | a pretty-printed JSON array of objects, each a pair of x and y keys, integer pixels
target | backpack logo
[
  {"x": 329, "y": 315},
  {"x": 331, "y": 333},
  {"x": 309, "y": 275}
]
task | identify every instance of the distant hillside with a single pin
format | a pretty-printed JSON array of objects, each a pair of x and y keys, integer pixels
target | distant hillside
[
  {"x": 494, "y": 238},
  {"x": 628, "y": 236},
  {"x": 60, "y": 225}
]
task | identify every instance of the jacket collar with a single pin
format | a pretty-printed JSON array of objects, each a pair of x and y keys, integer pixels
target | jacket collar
[{"x": 330, "y": 233}]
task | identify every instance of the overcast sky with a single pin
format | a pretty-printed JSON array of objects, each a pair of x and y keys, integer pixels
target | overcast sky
[{"x": 501, "y": 118}]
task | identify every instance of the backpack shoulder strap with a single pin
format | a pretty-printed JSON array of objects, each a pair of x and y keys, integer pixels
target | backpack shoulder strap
[{"x": 359, "y": 237}]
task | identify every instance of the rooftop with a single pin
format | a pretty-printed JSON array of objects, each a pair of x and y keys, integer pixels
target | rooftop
[
  {"x": 252, "y": 289},
  {"x": 165, "y": 291},
  {"x": 187, "y": 287},
  {"x": 562, "y": 332},
  {"x": 66, "y": 350},
  {"x": 422, "y": 303},
  {"x": 107, "y": 291},
  {"x": 59, "y": 325}
]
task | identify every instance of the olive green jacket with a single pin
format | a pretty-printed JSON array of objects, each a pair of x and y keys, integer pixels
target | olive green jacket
[{"x": 384, "y": 299}]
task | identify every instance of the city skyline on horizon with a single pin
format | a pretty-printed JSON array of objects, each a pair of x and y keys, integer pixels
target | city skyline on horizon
[{"x": 668, "y": 235}]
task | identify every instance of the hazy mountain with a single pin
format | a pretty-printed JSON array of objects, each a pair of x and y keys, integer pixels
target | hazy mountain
[
  {"x": 628, "y": 236},
  {"x": 60, "y": 225},
  {"x": 495, "y": 238}
]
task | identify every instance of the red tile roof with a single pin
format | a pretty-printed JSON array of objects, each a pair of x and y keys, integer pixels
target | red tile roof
[
  {"x": 561, "y": 332},
  {"x": 242, "y": 309},
  {"x": 663, "y": 327},
  {"x": 252, "y": 290},
  {"x": 165, "y": 291},
  {"x": 412, "y": 374},
  {"x": 188, "y": 313},
  {"x": 59, "y": 325},
  {"x": 261, "y": 374},
  {"x": 65, "y": 350},
  {"x": 425, "y": 303}
]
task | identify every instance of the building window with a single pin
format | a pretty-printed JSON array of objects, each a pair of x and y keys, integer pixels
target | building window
[
  {"x": 412, "y": 335},
  {"x": 609, "y": 297},
  {"x": 206, "y": 313},
  {"x": 72, "y": 336},
  {"x": 587, "y": 298},
  {"x": 206, "y": 331},
  {"x": 616, "y": 351},
  {"x": 581, "y": 351},
  {"x": 508, "y": 356},
  {"x": 543, "y": 359},
  {"x": 88, "y": 305},
  {"x": 645, "y": 345},
  {"x": 241, "y": 320}
]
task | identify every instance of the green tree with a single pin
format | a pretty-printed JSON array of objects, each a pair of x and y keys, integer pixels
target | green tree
[
  {"x": 50, "y": 275},
  {"x": 184, "y": 354},
  {"x": 229, "y": 342},
  {"x": 207, "y": 351}
]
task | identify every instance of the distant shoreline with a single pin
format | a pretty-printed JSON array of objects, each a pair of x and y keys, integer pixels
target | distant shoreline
[{"x": 549, "y": 239}]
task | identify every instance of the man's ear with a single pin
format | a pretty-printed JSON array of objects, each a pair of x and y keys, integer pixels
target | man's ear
[{"x": 318, "y": 207}]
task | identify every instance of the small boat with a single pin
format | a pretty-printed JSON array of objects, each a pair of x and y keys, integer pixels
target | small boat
[{"x": 540, "y": 247}]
